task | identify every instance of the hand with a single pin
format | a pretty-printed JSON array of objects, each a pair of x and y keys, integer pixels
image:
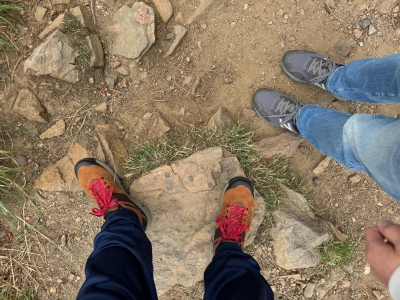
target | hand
[{"x": 383, "y": 249}]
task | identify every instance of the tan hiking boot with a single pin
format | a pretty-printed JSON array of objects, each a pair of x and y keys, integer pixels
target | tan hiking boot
[
  {"x": 103, "y": 186},
  {"x": 236, "y": 212}
]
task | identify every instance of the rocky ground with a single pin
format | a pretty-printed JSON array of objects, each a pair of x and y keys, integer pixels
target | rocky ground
[{"x": 99, "y": 86}]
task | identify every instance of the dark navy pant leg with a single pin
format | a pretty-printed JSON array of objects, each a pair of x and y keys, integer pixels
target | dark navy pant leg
[
  {"x": 120, "y": 266},
  {"x": 233, "y": 274}
]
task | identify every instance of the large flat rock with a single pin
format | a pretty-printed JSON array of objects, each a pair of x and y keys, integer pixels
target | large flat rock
[{"x": 184, "y": 201}]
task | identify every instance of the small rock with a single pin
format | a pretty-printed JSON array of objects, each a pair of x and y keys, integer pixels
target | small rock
[
  {"x": 182, "y": 111},
  {"x": 97, "y": 54},
  {"x": 28, "y": 106},
  {"x": 373, "y": 20},
  {"x": 304, "y": 150},
  {"x": 245, "y": 7},
  {"x": 379, "y": 33},
  {"x": 279, "y": 13},
  {"x": 396, "y": 9},
  {"x": 282, "y": 145},
  {"x": 364, "y": 24},
  {"x": 345, "y": 47},
  {"x": 301, "y": 11},
  {"x": 228, "y": 80},
  {"x": 53, "y": 26},
  {"x": 180, "y": 31},
  {"x": 139, "y": 22},
  {"x": 170, "y": 35},
  {"x": 355, "y": 178},
  {"x": 195, "y": 85},
  {"x": 286, "y": 16},
  {"x": 322, "y": 165},
  {"x": 390, "y": 211},
  {"x": 147, "y": 116},
  {"x": 367, "y": 269},
  {"x": 346, "y": 284},
  {"x": 71, "y": 276},
  {"x": 91, "y": 80},
  {"x": 123, "y": 71},
  {"x": 59, "y": 281},
  {"x": 309, "y": 290},
  {"x": 102, "y": 107},
  {"x": 203, "y": 26},
  {"x": 357, "y": 33},
  {"x": 371, "y": 30},
  {"x": 317, "y": 181},
  {"x": 378, "y": 294},
  {"x": 249, "y": 113},
  {"x": 63, "y": 240},
  {"x": 220, "y": 120},
  {"x": 53, "y": 290},
  {"x": 110, "y": 81},
  {"x": 77, "y": 152},
  {"x": 54, "y": 57},
  {"x": 39, "y": 13},
  {"x": 160, "y": 128},
  {"x": 164, "y": 8},
  {"x": 21, "y": 160},
  {"x": 114, "y": 63},
  {"x": 55, "y": 130}
]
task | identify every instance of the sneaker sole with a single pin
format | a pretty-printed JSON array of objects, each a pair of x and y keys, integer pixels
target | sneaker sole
[{"x": 140, "y": 205}]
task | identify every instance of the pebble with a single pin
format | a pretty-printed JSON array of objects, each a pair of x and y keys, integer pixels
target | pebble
[
  {"x": 302, "y": 11},
  {"x": 249, "y": 113},
  {"x": 309, "y": 290},
  {"x": 71, "y": 276},
  {"x": 245, "y": 7},
  {"x": 228, "y": 80},
  {"x": 170, "y": 35},
  {"x": 367, "y": 269},
  {"x": 286, "y": 16},
  {"x": 101, "y": 107},
  {"x": 322, "y": 165},
  {"x": 21, "y": 160},
  {"x": 284, "y": 21},
  {"x": 379, "y": 33},
  {"x": 316, "y": 181},
  {"x": 355, "y": 178},
  {"x": 279, "y": 13},
  {"x": 59, "y": 281},
  {"x": 91, "y": 80},
  {"x": 110, "y": 81},
  {"x": 147, "y": 116},
  {"x": 63, "y": 240},
  {"x": 123, "y": 71},
  {"x": 52, "y": 290},
  {"x": 270, "y": 23},
  {"x": 203, "y": 26},
  {"x": 396, "y": 9},
  {"x": 371, "y": 30},
  {"x": 373, "y": 20},
  {"x": 390, "y": 211},
  {"x": 114, "y": 63},
  {"x": 364, "y": 24},
  {"x": 346, "y": 284},
  {"x": 378, "y": 294},
  {"x": 291, "y": 39},
  {"x": 357, "y": 33}
]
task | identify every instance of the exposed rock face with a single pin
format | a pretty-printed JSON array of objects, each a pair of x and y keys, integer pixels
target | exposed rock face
[
  {"x": 134, "y": 28},
  {"x": 179, "y": 31},
  {"x": 283, "y": 145},
  {"x": 184, "y": 201},
  {"x": 220, "y": 120},
  {"x": 164, "y": 8},
  {"x": 28, "y": 106},
  {"x": 61, "y": 176},
  {"x": 54, "y": 57},
  {"x": 55, "y": 130},
  {"x": 297, "y": 233},
  {"x": 113, "y": 147}
]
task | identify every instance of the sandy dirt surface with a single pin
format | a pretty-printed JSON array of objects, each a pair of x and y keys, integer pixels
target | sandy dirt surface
[{"x": 233, "y": 51}]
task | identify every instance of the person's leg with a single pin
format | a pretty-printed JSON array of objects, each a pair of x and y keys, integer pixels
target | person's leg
[
  {"x": 120, "y": 266},
  {"x": 233, "y": 274},
  {"x": 368, "y": 143},
  {"x": 375, "y": 80}
]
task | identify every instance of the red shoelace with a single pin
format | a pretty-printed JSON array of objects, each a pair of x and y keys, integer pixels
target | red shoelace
[
  {"x": 231, "y": 225},
  {"x": 104, "y": 197}
]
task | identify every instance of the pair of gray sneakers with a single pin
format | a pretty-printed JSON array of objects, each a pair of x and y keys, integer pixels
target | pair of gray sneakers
[{"x": 302, "y": 66}]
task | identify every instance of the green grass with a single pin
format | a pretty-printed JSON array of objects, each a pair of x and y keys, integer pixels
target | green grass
[
  {"x": 266, "y": 174},
  {"x": 7, "y": 19},
  {"x": 335, "y": 254},
  {"x": 83, "y": 59},
  {"x": 70, "y": 24}
]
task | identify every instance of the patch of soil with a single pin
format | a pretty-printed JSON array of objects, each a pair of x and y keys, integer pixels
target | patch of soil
[{"x": 234, "y": 51}]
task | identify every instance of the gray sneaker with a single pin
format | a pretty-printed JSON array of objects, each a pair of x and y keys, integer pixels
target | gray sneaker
[
  {"x": 308, "y": 67},
  {"x": 276, "y": 108}
]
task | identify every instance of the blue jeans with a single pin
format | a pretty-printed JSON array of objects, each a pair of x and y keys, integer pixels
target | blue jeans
[
  {"x": 361, "y": 142},
  {"x": 120, "y": 267}
]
